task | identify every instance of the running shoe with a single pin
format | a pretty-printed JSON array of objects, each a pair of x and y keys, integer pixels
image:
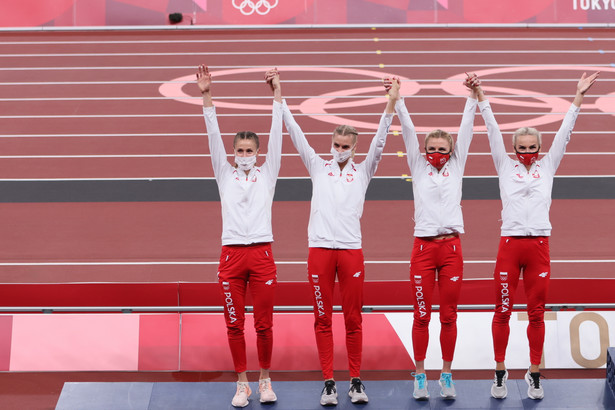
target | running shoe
[
  {"x": 420, "y": 386},
  {"x": 357, "y": 391},
  {"x": 328, "y": 397},
  {"x": 447, "y": 386},
  {"x": 534, "y": 389},
  {"x": 266, "y": 392},
  {"x": 242, "y": 394},
  {"x": 498, "y": 388}
]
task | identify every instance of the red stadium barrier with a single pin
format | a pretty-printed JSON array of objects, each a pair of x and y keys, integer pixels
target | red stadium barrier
[{"x": 380, "y": 294}]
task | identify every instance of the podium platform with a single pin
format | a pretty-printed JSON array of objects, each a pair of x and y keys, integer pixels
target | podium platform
[{"x": 304, "y": 395}]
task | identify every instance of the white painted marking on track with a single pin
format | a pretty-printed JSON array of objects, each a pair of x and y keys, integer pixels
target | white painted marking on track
[
  {"x": 369, "y": 39},
  {"x": 307, "y": 80},
  {"x": 348, "y": 114},
  {"x": 264, "y": 132},
  {"x": 282, "y": 67},
  {"x": 299, "y": 52},
  {"x": 297, "y": 97}
]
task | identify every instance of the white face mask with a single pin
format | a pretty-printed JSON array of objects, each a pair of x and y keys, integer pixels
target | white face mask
[
  {"x": 341, "y": 156},
  {"x": 245, "y": 163}
]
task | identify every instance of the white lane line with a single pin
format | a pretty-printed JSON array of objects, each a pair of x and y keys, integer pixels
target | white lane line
[
  {"x": 295, "y": 52},
  {"x": 268, "y": 98},
  {"x": 202, "y": 134},
  {"x": 145, "y": 263},
  {"x": 324, "y": 154},
  {"x": 369, "y": 39},
  {"x": 404, "y": 177},
  {"x": 473, "y": 66},
  {"x": 346, "y": 114},
  {"x": 307, "y": 80}
]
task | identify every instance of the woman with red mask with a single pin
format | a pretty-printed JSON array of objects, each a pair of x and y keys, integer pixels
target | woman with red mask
[
  {"x": 525, "y": 188},
  {"x": 246, "y": 195},
  {"x": 436, "y": 254}
]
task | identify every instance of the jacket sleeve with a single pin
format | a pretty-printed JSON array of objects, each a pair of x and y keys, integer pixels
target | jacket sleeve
[
  {"x": 558, "y": 148},
  {"x": 374, "y": 155},
  {"x": 498, "y": 151},
  {"x": 216, "y": 146},
  {"x": 466, "y": 131},
  {"x": 409, "y": 135},
  {"x": 274, "y": 147},
  {"x": 307, "y": 153}
]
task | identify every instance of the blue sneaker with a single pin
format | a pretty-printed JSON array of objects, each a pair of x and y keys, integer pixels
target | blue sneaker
[
  {"x": 447, "y": 386},
  {"x": 420, "y": 386}
]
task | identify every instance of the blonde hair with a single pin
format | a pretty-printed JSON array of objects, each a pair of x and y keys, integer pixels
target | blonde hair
[
  {"x": 440, "y": 134},
  {"x": 526, "y": 131},
  {"x": 344, "y": 130}
]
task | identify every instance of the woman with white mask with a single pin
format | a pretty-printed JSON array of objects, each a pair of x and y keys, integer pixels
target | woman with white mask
[
  {"x": 246, "y": 195},
  {"x": 334, "y": 232}
]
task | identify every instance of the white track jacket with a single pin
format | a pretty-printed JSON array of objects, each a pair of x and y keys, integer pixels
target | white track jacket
[
  {"x": 337, "y": 195},
  {"x": 246, "y": 199},
  {"x": 526, "y": 196},
  {"x": 437, "y": 195}
]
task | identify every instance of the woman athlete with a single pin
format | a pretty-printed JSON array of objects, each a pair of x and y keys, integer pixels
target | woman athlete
[
  {"x": 334, "y": 233},
  {"x": 246, "y": 195},
  {"x": 525, "y": 188},
  {"x": 436, "y": 253}
]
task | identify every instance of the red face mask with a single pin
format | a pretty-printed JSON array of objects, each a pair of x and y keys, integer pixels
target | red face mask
[
  {"x": 527, "y": 158},
  {"x": 438, "y": 159}
]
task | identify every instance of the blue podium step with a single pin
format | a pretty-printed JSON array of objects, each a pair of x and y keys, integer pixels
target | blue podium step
[{"x": 384, "y": 395}]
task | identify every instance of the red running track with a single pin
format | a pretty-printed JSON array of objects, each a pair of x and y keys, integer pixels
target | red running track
[{"x": 52, "y": 100}]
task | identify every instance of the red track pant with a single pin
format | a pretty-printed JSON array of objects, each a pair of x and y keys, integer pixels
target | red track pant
[
  {"x": 348, "y": 264},
  {"x": 428, "y": 257},
  {"x": 530, "y": 254},
  {"x": 240, "y": 265}
]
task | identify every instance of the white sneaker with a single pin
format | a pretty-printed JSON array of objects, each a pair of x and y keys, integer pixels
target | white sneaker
[
  {"x": 534, "y": 389},
  {"x": 447, "y": 386},
  {"x": 242, "y": 394},
  {"x": 266, "y": 392},
  {"x": 498, "y": 388},
  {"x": 357, "y": 391},
  {"x": 328, "y": 396},
  {"x": 420, "y": 387}
]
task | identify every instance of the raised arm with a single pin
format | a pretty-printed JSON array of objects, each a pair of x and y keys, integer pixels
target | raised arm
[
  {"x": 216, "y": 146},
  {"x": 374, "y": 155},
  {"x": 407, "y": 130},
  {"x": 498, "y": 150},
  {"x": 307, "y": 153},
  {"x": 562, "y": 137},
  {"x": 466, "y": 129},
  {"x": 274, "y": 147}
]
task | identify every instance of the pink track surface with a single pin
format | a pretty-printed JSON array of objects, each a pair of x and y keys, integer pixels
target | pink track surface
[{"x": 584, "y": 230}]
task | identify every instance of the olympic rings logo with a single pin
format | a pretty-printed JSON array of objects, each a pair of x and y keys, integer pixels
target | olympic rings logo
[
  {"x": 549, "y": 109},
  {"x": 248, "y": 7}
]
